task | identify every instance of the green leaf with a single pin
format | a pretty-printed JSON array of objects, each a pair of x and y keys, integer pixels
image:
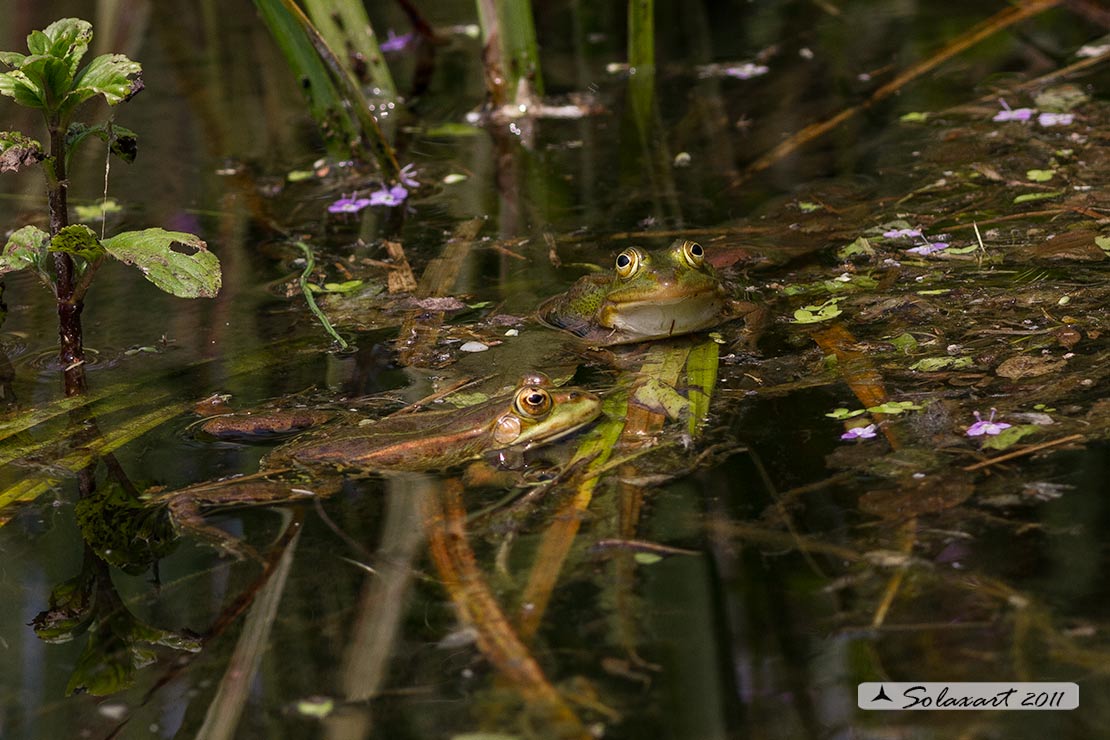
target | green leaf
[
  {"x": 1040, "y": 175},
  {"x": 114, "y": 76},
  {"x": 66, "y": 39},
  {"x": 177, "y": 262},
  {"x": 914, "y": 117},
  {"x": 1037, "y": 196},
  {"x": 78, "y": 240},
  {"x": 122, "y": 141},
  {"x": 97, "y": 211},
  {"x": 843, "y": 413},
  {"x": 860, "y": 247},
  {"x": 17, "y": 150},
  {"x": 25, "y": 248},
  {"x": 647, "y": 558},
  {"x": 50, "y": 76},
  {"x": 661, "y": 398},
  {"x": 893, "y": 408},
  {"x": 813, "y": 314},
  {"x": 1103, "y": 243},
  {"x": 933, "y": 364},
  {"x": 11, "y": 58},
  {"x": 808, "y": 207},
  {"x": 20, "y": 88},
  {"x": 1008, "y": 437}
]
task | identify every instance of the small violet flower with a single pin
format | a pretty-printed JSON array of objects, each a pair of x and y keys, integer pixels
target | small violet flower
[
  {"x": 1055, "y": 119},
  {"x": 1013, "y": 114},
  {"x": 902, "y": 233},
  {"x": 989, "y": 427},
  {"x": 388, "y": 197},
  {"x": 408, "y": 176},
  {"x": 925, "y": 249},
  {"x": 867, "y": 432},
  {"x": 746, "y": 71},
  {"x": 395, "y": 42},
  {"x": 348, "y": 205}
]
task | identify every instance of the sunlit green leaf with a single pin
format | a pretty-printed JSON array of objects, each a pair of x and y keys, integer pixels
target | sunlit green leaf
[
  {"x": 114, "y": 76},
  {"x": 647, "y": 558},
  {"x": 66, "y": 39},
  {"x": 1040, "y": 175},
  {"x": 660, "y": 398},
  {"x": 177, "y": 262},
  {"x": 813, "y": 314},
  {"x": 1103, "y": 243},
  {"x": 843, "y": 413},
  {"x": 914, "y": 117},
  {"x": 807, "y": 207}
]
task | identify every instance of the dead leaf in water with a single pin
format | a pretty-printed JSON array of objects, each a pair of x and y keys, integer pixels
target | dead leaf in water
[{"x": 1029, "y": 366}]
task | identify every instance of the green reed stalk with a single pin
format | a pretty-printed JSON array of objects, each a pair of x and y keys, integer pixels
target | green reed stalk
[
  {"x": 512, "y": 55},
  {"x": 335, "y": 99},
  {"x": 346, "y": 27}
]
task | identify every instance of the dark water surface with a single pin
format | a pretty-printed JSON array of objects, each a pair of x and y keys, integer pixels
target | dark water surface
[{"x": 803, "y": 564}]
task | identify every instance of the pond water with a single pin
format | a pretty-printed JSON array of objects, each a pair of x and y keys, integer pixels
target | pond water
[{"x": 726, "y": 577}]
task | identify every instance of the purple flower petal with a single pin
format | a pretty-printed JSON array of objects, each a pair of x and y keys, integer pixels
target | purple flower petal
[
  {"x": 388, "y": 197},
  {"x": 746, "y": 71},
  {"x": 989, "y": 427},
  {"x": 1017, "y": 114},
  {"x": 1055, "y": 119},
  {"x": 348, "y": 205},
  {"x": 902, "y": 233},
  {"x": 925, "y": 249},
  {"x": 867, "y": 432},
  {"x": 408, "y": 176},
  {"x": 395, "y": 43}
]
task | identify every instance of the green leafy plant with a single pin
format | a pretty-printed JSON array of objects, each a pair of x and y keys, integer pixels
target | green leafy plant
[{"x": 50, "y": 79}]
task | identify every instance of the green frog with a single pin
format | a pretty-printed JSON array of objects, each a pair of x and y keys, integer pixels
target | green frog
[
  {"x": 647, "y": 296},
  {"x": 534, "y": 413}
]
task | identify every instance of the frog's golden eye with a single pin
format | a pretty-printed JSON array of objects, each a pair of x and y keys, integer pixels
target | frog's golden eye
[
  {"x": 629, "y": 262},
  {"x": 532, "y": 401},
  {"x": 693, "y": 253}
]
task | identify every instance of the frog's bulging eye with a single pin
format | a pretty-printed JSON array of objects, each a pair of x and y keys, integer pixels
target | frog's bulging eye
[
  {"x": 532, "y": 401},
  {"x": 629, "y": 262},
  {"x": 693, "y": 254}
]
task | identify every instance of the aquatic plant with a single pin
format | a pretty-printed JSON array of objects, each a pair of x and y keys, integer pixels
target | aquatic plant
[{"x": 66, "y": 259}]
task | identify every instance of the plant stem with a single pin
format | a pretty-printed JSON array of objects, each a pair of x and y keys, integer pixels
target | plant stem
[{"x": 71, "y": 341}]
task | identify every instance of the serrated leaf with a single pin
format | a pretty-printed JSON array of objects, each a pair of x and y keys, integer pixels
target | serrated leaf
[
  {"x": 114, "y": 76},
  {"x": 177, "y": 262},
  {"x": 24, "y": 249},
  {"x": 78, "y": 240},
  {"x": 17, "y": 150},
  {"x": 50, "y": 76},
  {"x": 66, "y": 39}
]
